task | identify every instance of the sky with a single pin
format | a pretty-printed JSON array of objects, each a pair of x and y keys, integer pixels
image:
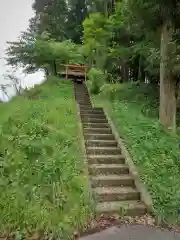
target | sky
[{"x": 14, "y": 16}]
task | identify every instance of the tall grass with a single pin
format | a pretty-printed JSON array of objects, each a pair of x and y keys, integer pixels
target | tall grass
[
  {"x": 42, "y": 183},
  {"x": 155, "y": 151}
]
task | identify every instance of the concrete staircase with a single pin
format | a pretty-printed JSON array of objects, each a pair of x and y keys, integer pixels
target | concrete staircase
[{"x": 113, "y": 186}]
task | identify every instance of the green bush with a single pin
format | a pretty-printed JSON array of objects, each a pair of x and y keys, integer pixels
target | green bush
[
  {"x": 96, "y": 80},
  {"x": 110, "y": 91},
  {"x": 144, "y": 95},
  {"x": 33, "y": 93}
]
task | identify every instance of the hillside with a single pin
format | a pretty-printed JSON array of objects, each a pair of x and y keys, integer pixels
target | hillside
[
  {"x": 131, "y": 51},
  {"x": 155, "y": 151},
  {"x": 43, "y": 185}
]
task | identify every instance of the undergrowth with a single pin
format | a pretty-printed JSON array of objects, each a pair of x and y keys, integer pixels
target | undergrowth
[
  {"x": 156, "y": 152},
  {"x": 43, "y": 185}
]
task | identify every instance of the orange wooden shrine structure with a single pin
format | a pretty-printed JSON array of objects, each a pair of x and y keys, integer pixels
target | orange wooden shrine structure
[{"x": 75, "y": 70}]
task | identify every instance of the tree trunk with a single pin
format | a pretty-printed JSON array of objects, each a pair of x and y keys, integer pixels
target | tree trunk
[
  {"x": 125, "y": 72},
  {"x": 55, "y": 68},
  {"x": 135, "y": 76},
  {"x": 142, "y": 73},
  {"x": 167, "y": 109},
  {"x": 46, "y": 71}
]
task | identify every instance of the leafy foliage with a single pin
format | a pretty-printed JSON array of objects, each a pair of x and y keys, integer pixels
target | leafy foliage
[
  {"x": 96, "y": 80},
  {"x": 41, "y": 53},
  {"x": 96, "y": 37},
  {"x": 110, "y": 91}
]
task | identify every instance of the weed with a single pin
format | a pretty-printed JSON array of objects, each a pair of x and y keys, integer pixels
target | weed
[
  {"x": 154, "y": 150},
  {"x": 42, "y": 180}
]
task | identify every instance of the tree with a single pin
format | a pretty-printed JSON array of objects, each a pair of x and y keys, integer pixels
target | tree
[
  {"x": 165, "y": 18},
  {"x": 34, "y": 54},
  {"x": 39, "y": 5},
  {"x": 54, "y": 20},
  {"x": 96, "y": 37},
  {"x": 4, "y": 90},
  {"x": 14, "y": 82},
  {"x": 143, "y": 44},
  {"x": 61, "y": 19},
  {"x": 106, "y": 7},
  {"x": 135, "y": 40},
  {"x": 76, "y": 15}
]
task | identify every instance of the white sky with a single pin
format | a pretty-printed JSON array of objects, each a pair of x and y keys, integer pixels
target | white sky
[{"x": 14, "y": 16}]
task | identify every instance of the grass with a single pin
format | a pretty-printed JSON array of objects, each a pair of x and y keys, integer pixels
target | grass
[
  {"x": 155, "y": 151},
  {"x": 43, "y": 185}
]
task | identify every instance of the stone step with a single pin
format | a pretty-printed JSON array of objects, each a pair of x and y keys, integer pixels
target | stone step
[
  {"x": 97, "y": 130},
  {"x": 82, "y": 97},
  {"x": 83, "y": 101},
  {"x": 97, "y": 108},
  {"x": 92, "y": 116},
  {"x": 92, "y": 111},
  {"x": 103, "y": 150},
  {"x": 95, "y": 169},
  {"x": 112, "y": 180},
  {"x": 92, "y": 136},
  {"x": 80, "y": 94},
  {"x": 95, "y": 120},
  {"x": 124, "y": 208},
  {"x": 81, "y": 91},
  {"x": 101, "y": 143},
  {"x": 109, "y": 194},
  {"x": 106, "y": 159},
  {"x": 96, "y": 125},
  {"x": 87, "y": 103},
  {"x": 87, "y": 107}
]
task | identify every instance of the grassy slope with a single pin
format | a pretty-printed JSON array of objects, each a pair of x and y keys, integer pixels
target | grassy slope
[
  {"x": 42, "y": 183},
  {"x": 155, "y": 152}
]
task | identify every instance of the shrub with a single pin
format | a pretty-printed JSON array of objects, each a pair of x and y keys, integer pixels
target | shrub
[
  {"x": 33, "y": 93},
  {"x": 96, "y": 80},
  {"x": 110, "y": 91}
]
